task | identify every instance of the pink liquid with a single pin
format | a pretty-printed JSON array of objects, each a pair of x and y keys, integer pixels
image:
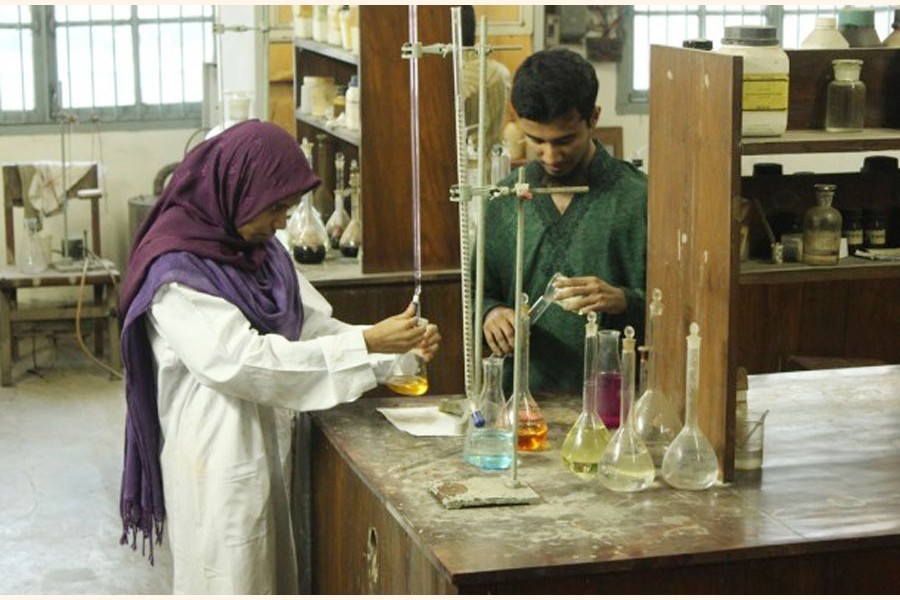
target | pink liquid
[{"x": 607, "y": 397}]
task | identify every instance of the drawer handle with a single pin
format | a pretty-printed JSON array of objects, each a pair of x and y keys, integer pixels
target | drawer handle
[{"x": 372, "y": 558}]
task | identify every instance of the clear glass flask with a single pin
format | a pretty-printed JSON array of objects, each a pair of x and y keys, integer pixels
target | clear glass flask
[
  {"x": 532, "y": 425},
  {"x": 490, "y": 446},
  {"x": 845, "y": 99},
  {"x": 339, "y": 219},
  {"x": 306, "y": 233},
  {"x": 822, "y": 226},
  {"x": 545, "y": 300},
  {"x": 409, "y": 374},
  {"x": 608, "y": 378},
  {"x": 351, "y": 240},
  {"x": 655, "y": 418},
  {"x": 690, "y": 462},
  {"x": 588, "y": 437},
  {"x": 626, "y": 464}
]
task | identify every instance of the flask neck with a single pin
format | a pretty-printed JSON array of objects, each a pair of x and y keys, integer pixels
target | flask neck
[{"x": 492, "y": 370}]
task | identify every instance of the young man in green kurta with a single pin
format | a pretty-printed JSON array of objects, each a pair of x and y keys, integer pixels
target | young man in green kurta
[{"x": 597, "y": 239}]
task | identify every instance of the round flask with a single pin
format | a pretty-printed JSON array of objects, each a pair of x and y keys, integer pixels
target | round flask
[
  {"x": 845, "y": 104},
  {"x": 350, "y": 243},
  {"x": 306, "y": 234},
  {"x": 626, "y": 464},
  {"x": 690, "y": 462},
  {"x": 588, "y": 437},
  {"x": 822, "y": 229},
  {"x": 339, "y": 218},
  {"x": 489, "y": 446}
]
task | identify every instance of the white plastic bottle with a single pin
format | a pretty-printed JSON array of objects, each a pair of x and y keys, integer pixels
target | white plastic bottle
[
  {"x": 824, "y": 36},
  {"x": 766, "y": 78}
]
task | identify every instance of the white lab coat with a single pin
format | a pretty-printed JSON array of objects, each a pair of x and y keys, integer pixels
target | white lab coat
[{"x": 222, "y": 392}]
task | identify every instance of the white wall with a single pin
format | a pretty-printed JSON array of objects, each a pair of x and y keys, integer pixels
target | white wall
[{"x": 131, "y": 160}]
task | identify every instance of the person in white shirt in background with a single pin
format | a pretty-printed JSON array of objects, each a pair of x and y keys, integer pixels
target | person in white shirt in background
[{"x": 221, "y": 336}]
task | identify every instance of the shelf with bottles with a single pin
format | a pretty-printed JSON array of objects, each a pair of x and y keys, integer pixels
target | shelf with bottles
[
  {"x": 351, "y": 136},
  {"x": 803, "y": 141},
  {"x": 851, "y": 268},
  {"x": 329, "y": 50}
]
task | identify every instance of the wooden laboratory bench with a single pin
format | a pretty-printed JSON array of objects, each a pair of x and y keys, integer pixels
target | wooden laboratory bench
[{"x": 823, "y": 515}]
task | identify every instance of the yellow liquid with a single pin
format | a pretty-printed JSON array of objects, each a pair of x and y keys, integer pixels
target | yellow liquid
[
  {"x": 408, "y": 385},
  {"x": 531, "y": 435},
  {"x": 582, "y": 449}
]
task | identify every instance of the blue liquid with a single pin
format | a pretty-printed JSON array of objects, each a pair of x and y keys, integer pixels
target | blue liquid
[{"x": 489, "y": 448}]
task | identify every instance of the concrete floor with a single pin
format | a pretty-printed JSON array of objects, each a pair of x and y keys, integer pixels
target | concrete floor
[{"x": 61, "y": 439}]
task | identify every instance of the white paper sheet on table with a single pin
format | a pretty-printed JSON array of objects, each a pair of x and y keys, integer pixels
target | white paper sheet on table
[{"x": 422, "y": 420}]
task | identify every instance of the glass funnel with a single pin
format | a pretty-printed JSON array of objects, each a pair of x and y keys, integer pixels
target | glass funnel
[
  {"x": 351, "y": 239},
  {"x": 690, "y": 462},
  {"x": 532, "y": 425},
  {"x": 626, "y": 464},
  {"x": 489, "y": 445},
  {"x": 655, "y": 419},
  {"x": 339, "y": 219},
  {"x": 586, "y": 440}
]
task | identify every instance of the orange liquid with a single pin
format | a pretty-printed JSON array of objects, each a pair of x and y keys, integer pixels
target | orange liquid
[
  {"x": 531, "y": 435},
  {"x": 408, "y": 385}
]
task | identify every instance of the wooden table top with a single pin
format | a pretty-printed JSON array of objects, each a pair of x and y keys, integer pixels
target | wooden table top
[{"x": 829, "y": 480}]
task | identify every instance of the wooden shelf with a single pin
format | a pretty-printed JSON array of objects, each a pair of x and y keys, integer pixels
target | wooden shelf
[
  {"x": 334, "y": 52},
  {"x": 851, "y": 268},
  {"x": 348, "y": 135},
  {"x": 803, "y": 141}
]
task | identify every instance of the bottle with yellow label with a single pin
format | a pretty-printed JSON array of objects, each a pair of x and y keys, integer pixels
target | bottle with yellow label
[{"x": 764, "y": 99}]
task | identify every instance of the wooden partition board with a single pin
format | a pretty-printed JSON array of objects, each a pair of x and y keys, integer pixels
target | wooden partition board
[
  {"x": 692, "y": 243},
  {"x": 386, "y": 157},
  {"x": 811, "y": 71}
]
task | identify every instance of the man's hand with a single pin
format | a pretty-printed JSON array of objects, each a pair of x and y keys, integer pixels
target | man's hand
[
  {"x": 500, "y": 330},
  {"x": 581, "y": 295}
]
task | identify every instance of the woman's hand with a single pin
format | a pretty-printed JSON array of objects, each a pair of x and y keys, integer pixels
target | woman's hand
[
  {"x": 398, "y": 334},
  {"x": 430, "y": 342},
  {"x": 581, "y": 295}
]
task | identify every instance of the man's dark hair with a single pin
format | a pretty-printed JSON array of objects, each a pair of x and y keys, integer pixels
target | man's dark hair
[
  {"x": 550, "y": 83},
  {"x": 467, "y": 15}
]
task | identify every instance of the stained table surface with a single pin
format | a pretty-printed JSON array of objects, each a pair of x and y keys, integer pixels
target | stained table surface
[{"x": 829, "y": 480}]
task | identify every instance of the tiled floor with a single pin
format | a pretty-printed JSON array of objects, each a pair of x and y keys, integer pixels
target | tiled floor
[{"x": 61, "y": 439}]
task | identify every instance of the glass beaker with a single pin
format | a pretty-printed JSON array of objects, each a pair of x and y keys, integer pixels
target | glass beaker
[
  {"x": 306, "y": 233},
  {"x": 690, "y": 462},
  {"x": 655, "y": 419},
  {"x": 351, "y": 240},
  {"x": 822, "y": 229},
  {"x": 845, "y": 99},
  {"x": 749, "y": 437},
  {"x": 339, "y": 219},
  {"x": 608, "y": 377},
  {"x": 588, "y": 437},
  {"x": 489, "y": 446},
  {"x": 546, "y": 299},
  {"x": 626, "y": 464},
  {"x": 532, "y": 426}
]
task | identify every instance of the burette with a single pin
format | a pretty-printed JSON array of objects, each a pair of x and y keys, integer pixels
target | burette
[{"x": 414, "y": 150}]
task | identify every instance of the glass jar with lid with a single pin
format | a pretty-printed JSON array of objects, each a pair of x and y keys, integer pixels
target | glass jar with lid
[
  {"x": 845, "y": 104},
  {"x": 822, "y": 229},
  {"x": 857, "y": 25}
]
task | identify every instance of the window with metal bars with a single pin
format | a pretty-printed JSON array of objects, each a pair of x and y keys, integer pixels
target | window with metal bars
[
  {"x": 111, "y": 63},
  {"x": 670, "y": 25}
]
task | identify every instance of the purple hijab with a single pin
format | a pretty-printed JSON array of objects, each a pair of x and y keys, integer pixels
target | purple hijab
[{"x": 190, "y": 237}]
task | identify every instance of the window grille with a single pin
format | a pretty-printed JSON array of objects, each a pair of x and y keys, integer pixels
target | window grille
[
  {"x": 112, "y": 63},
  {"x": 672, "y": 24}
]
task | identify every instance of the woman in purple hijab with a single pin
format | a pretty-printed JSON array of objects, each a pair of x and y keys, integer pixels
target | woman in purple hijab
[{"x": 222, "y": 339}]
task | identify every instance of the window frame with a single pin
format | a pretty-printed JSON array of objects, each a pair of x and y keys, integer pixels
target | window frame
[{"x": 48, "y": 111}]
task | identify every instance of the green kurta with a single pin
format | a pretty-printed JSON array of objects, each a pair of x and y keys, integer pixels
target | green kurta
[{"x": 602, "y": 233}]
